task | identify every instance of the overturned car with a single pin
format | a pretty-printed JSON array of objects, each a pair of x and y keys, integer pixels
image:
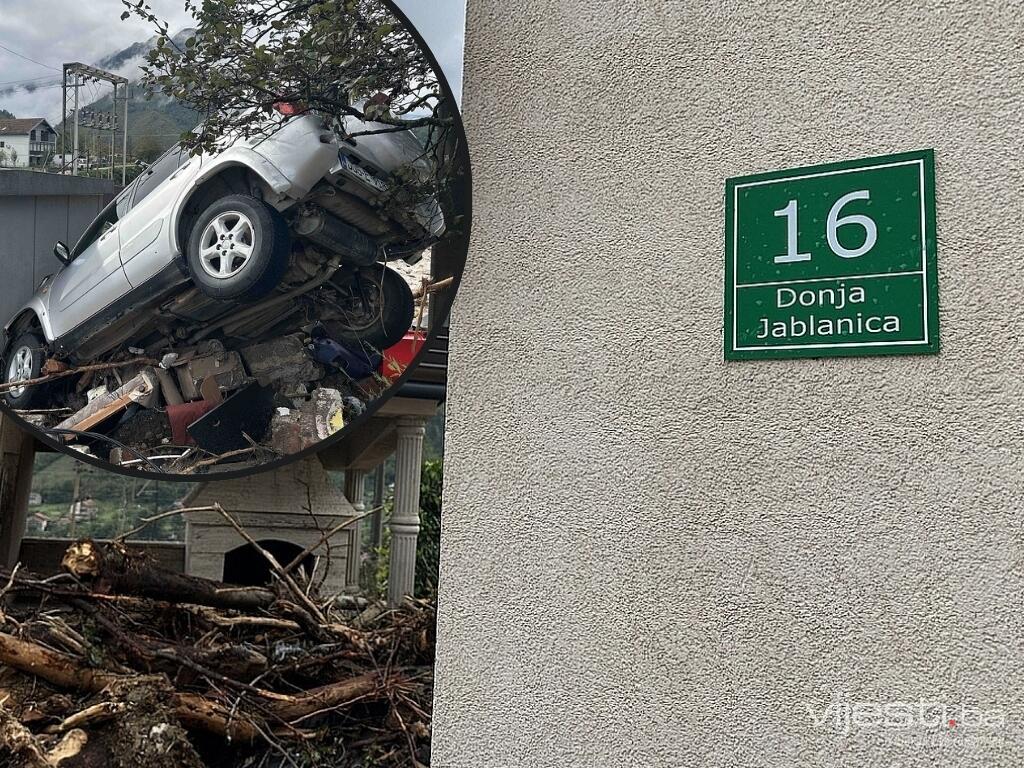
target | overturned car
[{"x": 284, "y": 238}]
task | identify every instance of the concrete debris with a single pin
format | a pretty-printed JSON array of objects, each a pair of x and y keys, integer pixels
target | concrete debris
[
  {"x": 209, "y": 359},
  {"x": 285, "y": 359},
  {"x": 95, "y": 392},
  {"x": 270, "y": 398},
  {"x": 328, "y": 408},
  {"x": 286, "y": 431},
  {"x": 316, "y": 419}
]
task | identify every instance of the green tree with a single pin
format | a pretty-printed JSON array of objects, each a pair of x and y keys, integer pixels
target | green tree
[{"x": 338, "y": 59}]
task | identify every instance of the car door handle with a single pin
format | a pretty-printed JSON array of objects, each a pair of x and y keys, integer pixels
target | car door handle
[
  {"x": 182, "y": 168},
  {"x": 108, "y": 233}
]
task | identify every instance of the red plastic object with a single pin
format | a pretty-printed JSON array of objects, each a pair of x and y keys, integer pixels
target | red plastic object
[
  {"x": 288, "y": 108},
  {"x": 400, "y": 356},
  {"x": 181, "y": 416}
]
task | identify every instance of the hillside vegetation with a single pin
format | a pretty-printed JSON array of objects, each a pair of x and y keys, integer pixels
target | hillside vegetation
[{"x": 121, "y": 502}]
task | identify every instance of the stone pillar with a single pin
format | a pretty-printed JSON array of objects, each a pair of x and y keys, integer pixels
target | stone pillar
[
  {"x": 377, "y": 519},
  {"x": 405, "y": 518},
  {"x": 354, "y": 493},
  {"x": 17, "y": 454}
]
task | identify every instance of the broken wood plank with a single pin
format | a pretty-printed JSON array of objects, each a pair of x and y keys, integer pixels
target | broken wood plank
[
  {"x": 140, "y": 389},
  {"x": 112, "y": 569}
]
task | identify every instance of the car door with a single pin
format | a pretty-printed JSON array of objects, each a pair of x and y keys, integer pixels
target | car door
[
  {"x": 145, "y": 236},
  {"x": 93, "y": 279}
]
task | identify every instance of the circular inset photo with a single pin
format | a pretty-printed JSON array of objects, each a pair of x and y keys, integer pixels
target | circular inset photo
[{"x": 238, "y": 241}]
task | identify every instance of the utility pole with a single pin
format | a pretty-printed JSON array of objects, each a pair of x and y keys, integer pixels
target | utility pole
[
  {"x": 64, "y": 127},
  {"x": 74, "y": 150},
  {"x": 76, "y": 503},
  {"x": 75, "y": 75},
  {"x": 124, "y": 132},
  {"x": 113, "y": 129}
]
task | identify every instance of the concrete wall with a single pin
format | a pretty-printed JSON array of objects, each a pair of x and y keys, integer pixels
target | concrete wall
[
  {"x": 37, "y": 210},
  {"x": 654, "y": 558}
]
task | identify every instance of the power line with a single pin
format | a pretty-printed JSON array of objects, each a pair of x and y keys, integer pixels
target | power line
[
  {"x": 27, "y": 80},
  {"x": 9, "y": 91},
  {"x": 26, "y": 58}
]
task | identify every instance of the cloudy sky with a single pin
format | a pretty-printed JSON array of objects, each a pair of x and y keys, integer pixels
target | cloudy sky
[{"x": 36, "y": 37}]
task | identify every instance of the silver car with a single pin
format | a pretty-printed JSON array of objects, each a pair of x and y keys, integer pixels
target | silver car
[{"x": 195, "y": 238}]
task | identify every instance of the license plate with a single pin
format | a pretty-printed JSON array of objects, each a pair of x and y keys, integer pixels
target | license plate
[{"x": 361, "y": 174}]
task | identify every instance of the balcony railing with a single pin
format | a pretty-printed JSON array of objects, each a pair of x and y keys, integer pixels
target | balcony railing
[{"x": 42, "y": 147}]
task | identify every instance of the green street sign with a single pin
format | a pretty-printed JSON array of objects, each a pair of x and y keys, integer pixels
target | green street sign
[{"x": 832, "y": 260}]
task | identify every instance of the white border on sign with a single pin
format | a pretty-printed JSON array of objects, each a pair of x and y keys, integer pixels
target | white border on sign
[{"x": 923, "y": 271}]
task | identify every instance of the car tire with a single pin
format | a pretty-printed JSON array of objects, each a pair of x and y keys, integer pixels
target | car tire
[
  {"x": 24, "y": 360},
  {"x": 393, "y": 309},
  {"x": 238, "y": 249}
]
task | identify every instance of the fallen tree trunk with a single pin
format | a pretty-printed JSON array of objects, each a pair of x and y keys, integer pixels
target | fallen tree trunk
[
  {"x": 198, "y": 713},
  {"x": 114, "y": 570},
  {"x": 333, "y": 696},
  {"x": 54, "y": 668},
  {"x": 193, "y": 710},
  {"x": 247, "y": 666}
]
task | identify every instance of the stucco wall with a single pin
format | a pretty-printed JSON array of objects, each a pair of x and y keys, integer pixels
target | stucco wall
[{"x": 654, "y": 558}]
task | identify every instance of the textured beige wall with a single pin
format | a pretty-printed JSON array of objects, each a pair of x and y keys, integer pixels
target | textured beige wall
[{"x": 653, "y": 558}]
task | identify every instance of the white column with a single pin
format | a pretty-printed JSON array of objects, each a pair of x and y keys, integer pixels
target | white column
[
  {"x": 405, "y": 518},
  {"x": 17, "y": 453},
  {"x": 354, "y": 493}
]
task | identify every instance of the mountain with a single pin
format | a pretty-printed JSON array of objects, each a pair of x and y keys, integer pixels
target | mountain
[{"x": 134, "y": 53}]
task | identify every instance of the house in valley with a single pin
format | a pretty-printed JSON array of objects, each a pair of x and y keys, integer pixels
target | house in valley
[{"x": 27, "y": 142}]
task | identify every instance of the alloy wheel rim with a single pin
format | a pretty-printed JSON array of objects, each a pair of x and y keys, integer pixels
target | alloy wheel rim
[
  {"x": 227, "y": 245},
  {"x": 20, "y": 369}
]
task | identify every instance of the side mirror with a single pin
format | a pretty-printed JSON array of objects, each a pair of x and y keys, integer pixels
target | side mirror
[{"x": 61, "y": 252}]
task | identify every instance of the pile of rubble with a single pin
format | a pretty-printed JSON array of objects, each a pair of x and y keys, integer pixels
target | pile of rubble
[
  {"x": 199, "y": 406},
  {"x": 118, "y": 662},
  {"x": 195, "y": 386},
  {"x": 230, "y": 393}
]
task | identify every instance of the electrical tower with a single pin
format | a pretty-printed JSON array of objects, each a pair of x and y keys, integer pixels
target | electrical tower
[{"x": 75, "y": 76}]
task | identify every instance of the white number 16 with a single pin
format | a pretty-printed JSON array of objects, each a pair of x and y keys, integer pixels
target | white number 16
[{"x": 832, "y": 225}]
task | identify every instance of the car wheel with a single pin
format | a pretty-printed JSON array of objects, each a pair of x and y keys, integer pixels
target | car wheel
[
  {"x": 238, "y": 249},
  {"x": 376, "y": 308},
  {"x": 24, "y": 361}
]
